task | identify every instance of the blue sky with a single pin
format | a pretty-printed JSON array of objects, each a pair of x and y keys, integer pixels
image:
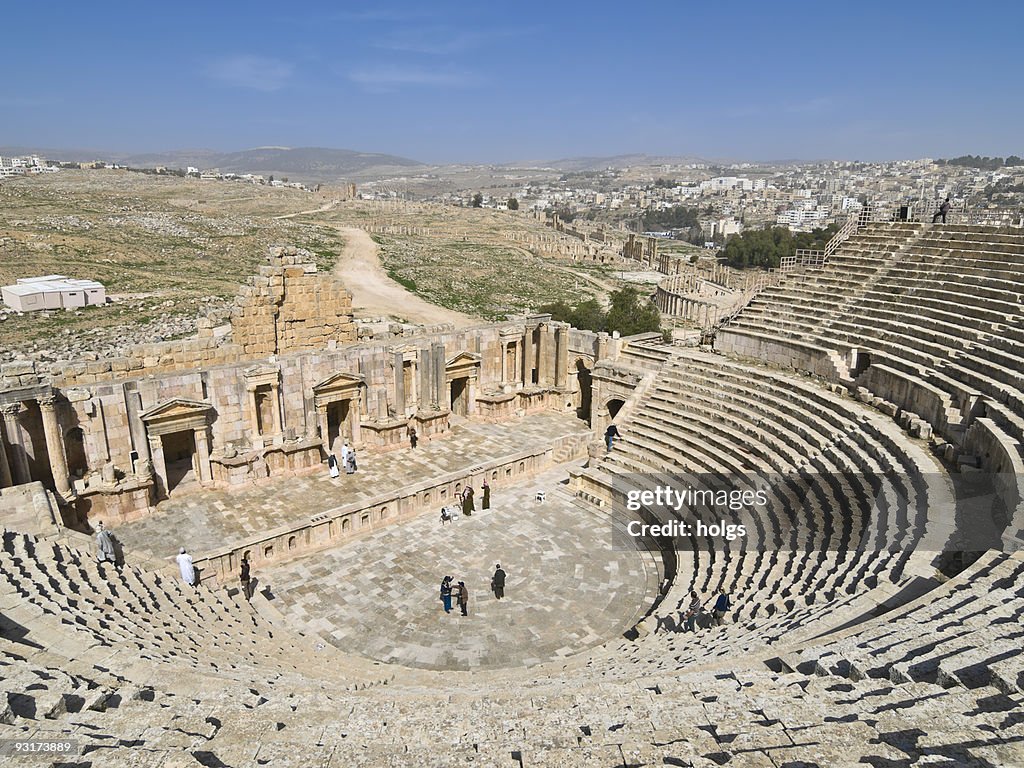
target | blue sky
[{"x": 498, "y": 82}]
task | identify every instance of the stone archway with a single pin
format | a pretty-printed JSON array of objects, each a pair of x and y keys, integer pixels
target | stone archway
[{"x": 613, "y": 407}]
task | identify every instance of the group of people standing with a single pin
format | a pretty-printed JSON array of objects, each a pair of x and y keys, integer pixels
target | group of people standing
[
  {"x": 459, "y": 592},
  {"x": 466, "y": 500},
  {"x": 342, "y": 457}
]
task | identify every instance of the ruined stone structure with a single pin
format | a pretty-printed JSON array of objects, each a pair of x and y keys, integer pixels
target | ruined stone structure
[
  {"x": 641, "y": 249},
  {"x": 267, "y": 395},
  {"x": 876, "y": 398}
]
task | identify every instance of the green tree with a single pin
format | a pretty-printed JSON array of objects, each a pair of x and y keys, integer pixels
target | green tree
[
  {"x": 478, "y": 200},
  {"x": 513, "y": 204},
  {"x": 629, "y": 314}
]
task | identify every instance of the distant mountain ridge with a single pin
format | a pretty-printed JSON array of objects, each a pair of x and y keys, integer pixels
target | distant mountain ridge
[{"x": 299, "y": 164}]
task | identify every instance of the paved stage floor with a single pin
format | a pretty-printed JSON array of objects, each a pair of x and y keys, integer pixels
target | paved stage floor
[
  {"x": 206, "y": 520},
  {"x": 567, "y": 588}
]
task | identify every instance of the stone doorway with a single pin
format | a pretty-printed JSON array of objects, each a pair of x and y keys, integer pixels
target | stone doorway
[
  {"x": 180, "y": 458},
  {"x": 584, "y": 389},
  {"x": 338, "y": 421},
  {"x": 460, "y": 396}
]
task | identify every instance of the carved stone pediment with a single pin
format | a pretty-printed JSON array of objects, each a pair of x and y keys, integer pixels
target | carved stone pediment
[
  {"x": 340, "y": 386},
  {"x": 175, "y": 415}
]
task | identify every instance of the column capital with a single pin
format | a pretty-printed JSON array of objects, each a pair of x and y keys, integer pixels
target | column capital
[
  {"x": 10, "y": 410},
  {"x": 47, "y": 402}
]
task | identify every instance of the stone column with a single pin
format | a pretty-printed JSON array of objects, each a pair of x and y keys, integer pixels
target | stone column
[
  {"x": 54, "y": 444},
  {"x": 354, "y": 409},
  {"x": 156, "y": 452},
  {"x": 528, "y": 357},
  {"x": 20, "y": 471},
  {"x": 440, "y": 397},
  {"x": 424, "y": 369},
  {"x": 399, "y": 366},
  {"x": 275, "y": 398},
  {"x": 321, "y": 415},
  {"x": 544, "y": 357},
  {"x": 5, "y": 468},
  {"x": 503, "y": 348},
  {"x": 561, "y": 356},
  {"x": 252, "y": 406},
  {"x": 471, "y": 396},
  {"x": 203, "y": 454}
]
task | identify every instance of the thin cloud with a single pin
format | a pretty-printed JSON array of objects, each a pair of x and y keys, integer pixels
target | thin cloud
[
  {"x": 437, "y": 41},
  {"x": 257, "y": 73},
  {"x": 392, "y": 78}
]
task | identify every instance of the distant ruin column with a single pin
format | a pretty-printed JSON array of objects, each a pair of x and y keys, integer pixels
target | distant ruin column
[
  {"x": 5, "y": 468},
  {"x": 399, "y": 366},
  {"x": 321, "y": 415},
  {"x": 156, "y": 452},
  {"x": 20, "y": 471},
  {"x": 54, "y": 444},
  {"x": 561, "y": 356},
  {"x": 203, "y": 453}
]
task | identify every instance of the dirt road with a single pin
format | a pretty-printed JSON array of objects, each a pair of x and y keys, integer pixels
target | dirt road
[{"x": 374, "y": 294}]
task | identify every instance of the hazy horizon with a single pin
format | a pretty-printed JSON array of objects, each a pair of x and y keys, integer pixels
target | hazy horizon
[{"x": 449, "y": 84}]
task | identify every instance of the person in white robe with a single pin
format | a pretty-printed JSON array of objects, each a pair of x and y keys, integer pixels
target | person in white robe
[
  {"x": 105, "y": 545},
  {"x": 188, "y": 571}
]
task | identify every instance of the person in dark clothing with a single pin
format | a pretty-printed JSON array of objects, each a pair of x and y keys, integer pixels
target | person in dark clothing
[
  {"x": 498, "y": 582},
  {"x": 487, "y": 496},
  {"x": 467, "y": 501},
  {"x": 446, "y": 594},
  {"x": 413, "y": 437},
  {"x": 463, "y": 596},
  {"x": 610, "y": 434},
  {"x": 244, "y": 577},
  {"x": 722, "y": 606},
  {"x": 943, "y": 210}
]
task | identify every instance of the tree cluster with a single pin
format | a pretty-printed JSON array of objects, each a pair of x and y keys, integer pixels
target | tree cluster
[
  {"x": 628, "y": 314},
  {"x": 677, "y": 217},
  {"x": 983, "y": 163},
  {"x": 766, "y": 247}
]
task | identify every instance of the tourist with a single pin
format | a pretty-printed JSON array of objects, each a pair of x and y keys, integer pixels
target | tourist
[
  {"x": 332, "y": 465},
  {"x": 350, "y": 462},
  {"x": 943, "y": 210},
  {"x": 487, "y": 496},
  {"x": 498, "y": 582},
  {"x": 413, "y": 437},
  {"x": 446, "y": 515},
  {"x": 692, "y": 612},
  {"x": 463, "y": 594},
  {"x": 188, "y": 571},
  {"x": 467, "y": 501},
  {"x": 343, "y": 453},
  {"x": 244, "y": 576},
  {"x": 722, "y": 606},
  {"x": 446, "y": 594},
  {"x": 105, "y": 545},
  {"x": 610, "y": 434}
]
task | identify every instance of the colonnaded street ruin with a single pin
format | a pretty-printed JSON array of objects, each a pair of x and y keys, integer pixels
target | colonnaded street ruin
[{"x": 834, "y": 445}]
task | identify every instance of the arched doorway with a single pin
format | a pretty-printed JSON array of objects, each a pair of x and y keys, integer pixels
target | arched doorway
[{"x": 614, "y": 406}]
